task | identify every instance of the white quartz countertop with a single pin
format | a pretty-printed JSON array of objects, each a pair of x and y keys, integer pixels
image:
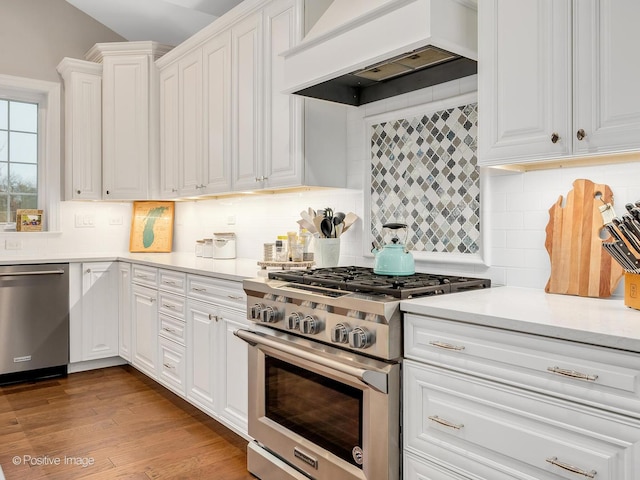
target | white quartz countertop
[
  {"x": 596, "y": 321},
  {"x": 236, "y": 269}
]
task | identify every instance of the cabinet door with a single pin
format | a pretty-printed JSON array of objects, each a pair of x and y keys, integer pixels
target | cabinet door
[
  {"x": 246, "y": 104},
  {"x": 607, "y": 69},
  {"x": 144, "y": 316},
  {"x": 190, "y": 123},
  {"x": 202, "y": 343},
  {"x": 233, "y": 361},
  {"x": 524, "y": 80},
  {"x": 83, "y": 129},
  {"x": 283, "y": 125},
  {"x": 169, "y": 132},
  {"x": 217, "y": 116},
  {"x": 125, "y": 114},
  {"x": 124, "y": 307},
  {"x": 99, "y": 310}
]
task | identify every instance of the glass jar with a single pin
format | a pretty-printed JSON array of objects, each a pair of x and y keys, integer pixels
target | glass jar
[
  {"x": 282, "y": 254},
  {"x": 207, "y": 249},
  {"x": 199, "y": 247}
]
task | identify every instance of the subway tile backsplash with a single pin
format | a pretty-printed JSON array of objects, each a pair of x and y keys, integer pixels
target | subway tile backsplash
[{"x": 424, "y": 173}]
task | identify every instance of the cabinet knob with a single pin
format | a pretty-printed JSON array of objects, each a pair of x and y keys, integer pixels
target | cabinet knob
[
  {"x": 107, "y": 192},
  {"x": 555, "y": 137},
  {"x": 580, "y": 134},
  {"x": 78, "y": 192},
  {"x": 88, "y": 270}
]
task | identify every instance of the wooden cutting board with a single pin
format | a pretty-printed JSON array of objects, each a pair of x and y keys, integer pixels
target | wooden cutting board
[{"x": 579, "y": 264}]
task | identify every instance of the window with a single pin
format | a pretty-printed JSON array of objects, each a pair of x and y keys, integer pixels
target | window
[
  {"x": 29, "y": 148},
  {"x": 18, "y": 157}
]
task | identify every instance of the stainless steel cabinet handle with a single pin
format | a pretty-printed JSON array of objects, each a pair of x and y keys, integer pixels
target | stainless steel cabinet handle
[
  {"x": 144, "y": 277},
  {"x": 234, "y": 297},
  {"x": 572, "y": 373},
  {"x": 168, "y": 365},
  {"x": 196, "y": 289},
  {"x": 150, "y": 299},
  {"x": 166, "y": 305},
  {"x": 213, "y": 317},
  {"x": 446, "y": 423},
  {"x": 580, "y": 134},
  {"x": 170, "y": 330},
  {"x": 169, "y": 282},
  {"x": 571, "y": 468},
  {"x": 261, "y": 178},
  {"x": 446, "y": 346},
  {"x": 555, "y": 137}
]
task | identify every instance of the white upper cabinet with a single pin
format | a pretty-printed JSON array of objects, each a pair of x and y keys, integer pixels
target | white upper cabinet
[
  {"x": 190, "y": 123},
  {"x": 130, "y": 113},
  {"x": 246, "y": 110},
  {"x": 556, "y": 79},
  {"x": 283, "y": 113},
  {"x": 226, "y": 124},
  {"x": 607, "y": 71},
  {"x": 217, "y": 114},
  {"x": 83, "y": 128}
]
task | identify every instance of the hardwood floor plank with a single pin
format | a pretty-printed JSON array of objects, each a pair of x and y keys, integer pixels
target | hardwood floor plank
[{"x": 122, "y": 423}]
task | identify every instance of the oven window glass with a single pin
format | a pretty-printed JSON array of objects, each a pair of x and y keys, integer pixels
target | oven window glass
[{"x": 315, "y": 407}]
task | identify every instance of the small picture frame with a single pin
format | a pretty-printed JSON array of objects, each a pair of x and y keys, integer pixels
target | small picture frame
[
  {"x": 29, "y": 220},
  {"x": 152, "y": 227}
]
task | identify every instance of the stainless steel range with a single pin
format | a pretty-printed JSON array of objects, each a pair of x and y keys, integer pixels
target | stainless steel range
[{"x": 324, "y": 370}]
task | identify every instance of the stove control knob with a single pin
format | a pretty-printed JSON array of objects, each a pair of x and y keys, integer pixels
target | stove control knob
[
  {"x": 269, "y": 315},
  {"x": 293, "y": 321},
  {"x": 340, "y": 333},
  {"x": 359, "y": 337},
  {"x": 255, "y": 313},
  {"x": 310, "y": 325}
]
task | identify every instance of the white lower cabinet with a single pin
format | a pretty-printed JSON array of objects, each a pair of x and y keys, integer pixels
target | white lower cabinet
[
  {"x": 217, "y": 363},
  {"x": 93, "y": 313},
  {"x": 144, "y": 317},
  {"x": 462, "y": 419}
]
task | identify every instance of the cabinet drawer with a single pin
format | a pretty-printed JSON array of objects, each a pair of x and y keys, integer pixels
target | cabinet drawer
[
  {"x": 415, "y": 468},
  {"x": 171, "y": 281},
  {"x": 218, "y": 291},
  {"x": 144, "y": 275},
  {"x": 537, "y": 436},
  {"x": 173, "y": 367},
  {"x": 172, "y": 328},
  {"x": 171, "y": 304},
  {"x": 588, "y": 374}
]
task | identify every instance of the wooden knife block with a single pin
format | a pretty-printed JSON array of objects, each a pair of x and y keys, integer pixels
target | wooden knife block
[{"x": 632, "y": 290}]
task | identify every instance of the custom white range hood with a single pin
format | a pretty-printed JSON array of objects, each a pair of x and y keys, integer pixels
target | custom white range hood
[{"x": 360, "y": 51}]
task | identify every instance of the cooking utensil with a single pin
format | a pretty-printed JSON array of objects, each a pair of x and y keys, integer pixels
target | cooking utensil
[
  {"x": 326, "y": 227},
  {"x": 349, "y": 219},
  {"x": 393, "y": 259}
]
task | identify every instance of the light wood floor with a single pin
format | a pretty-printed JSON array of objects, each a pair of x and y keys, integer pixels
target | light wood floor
[{"x": 118, "y": 422}]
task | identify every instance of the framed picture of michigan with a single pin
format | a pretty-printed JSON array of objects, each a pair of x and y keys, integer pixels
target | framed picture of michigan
[{"x": 152, "y": 227}]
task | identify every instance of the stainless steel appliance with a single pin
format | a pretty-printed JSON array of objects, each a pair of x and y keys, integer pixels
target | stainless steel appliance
[
  {"x": 34, "y": 321},
  {"x": 324, "y": 370}
]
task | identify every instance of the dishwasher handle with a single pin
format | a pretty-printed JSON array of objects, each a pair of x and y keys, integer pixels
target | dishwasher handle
[{"x": 34, "y": 272}]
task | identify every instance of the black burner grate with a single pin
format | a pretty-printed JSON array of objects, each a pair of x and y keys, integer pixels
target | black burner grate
[{"x": 362, "y": 279}]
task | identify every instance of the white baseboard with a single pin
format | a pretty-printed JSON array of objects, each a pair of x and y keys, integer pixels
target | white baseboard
[{"x": 93, "y": 365}]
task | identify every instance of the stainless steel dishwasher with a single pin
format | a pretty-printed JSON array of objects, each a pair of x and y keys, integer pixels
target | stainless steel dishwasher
[{"x": 34, "y": 321}]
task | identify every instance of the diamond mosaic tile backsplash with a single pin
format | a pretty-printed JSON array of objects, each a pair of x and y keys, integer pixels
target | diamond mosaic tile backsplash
[{"x": 424, "y": 173}]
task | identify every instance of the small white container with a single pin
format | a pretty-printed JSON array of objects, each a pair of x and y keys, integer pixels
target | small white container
[{"x": 224, "y": 245}]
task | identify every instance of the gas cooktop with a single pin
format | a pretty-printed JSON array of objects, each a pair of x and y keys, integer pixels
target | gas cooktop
[{"x": 363, "y": 280}]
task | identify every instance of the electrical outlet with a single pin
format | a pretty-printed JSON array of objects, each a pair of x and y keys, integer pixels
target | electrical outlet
[
  {"x": 231, "y": 220},
  {"x": 13, "y": 244},
  {"x": 115, "y": 220}
]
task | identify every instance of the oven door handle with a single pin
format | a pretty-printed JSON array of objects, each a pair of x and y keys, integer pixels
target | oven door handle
[{"x": 376, "y": 380}]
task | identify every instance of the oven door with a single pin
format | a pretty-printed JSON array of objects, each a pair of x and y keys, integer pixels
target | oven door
[{"x": 328, "y": 413}]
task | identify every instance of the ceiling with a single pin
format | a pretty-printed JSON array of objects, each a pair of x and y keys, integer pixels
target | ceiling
[{"x": 165, "y": 21}]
